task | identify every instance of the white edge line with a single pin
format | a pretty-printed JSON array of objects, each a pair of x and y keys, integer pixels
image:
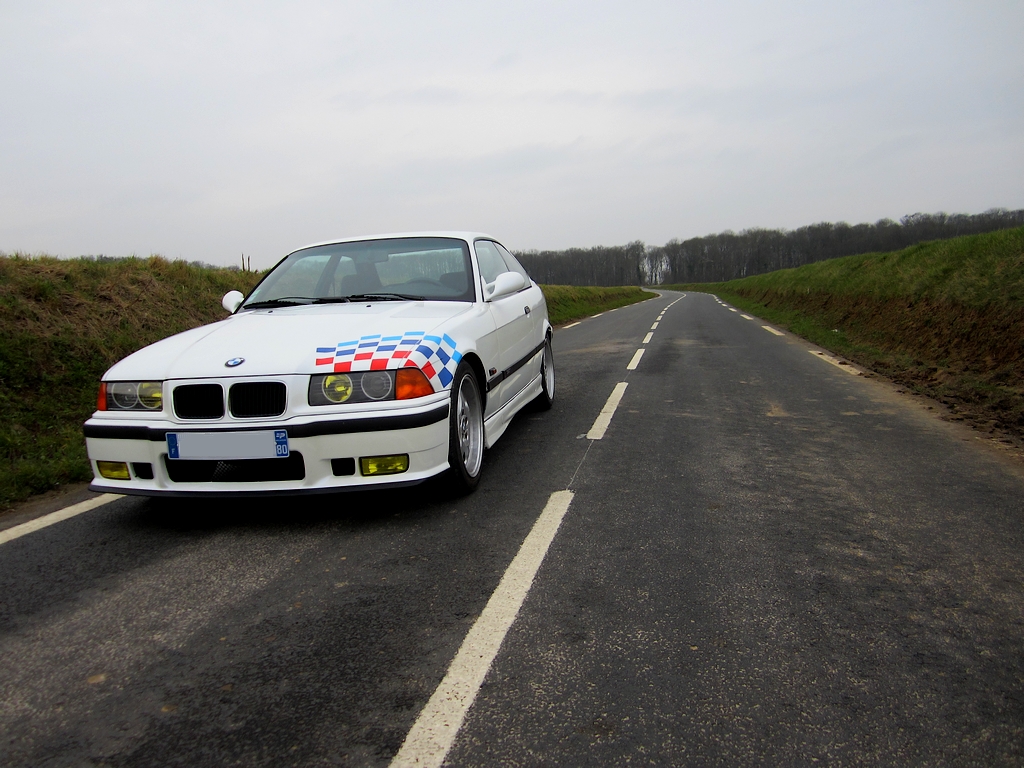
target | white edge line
[
  {"x": 604, "y": 418},
  {"x": 597, "y": 315},
  {"x": 746, "y": 317},
  {"x": 18, "y": 531},
  {"x": 570, "y": 325},
  {"x": 636, "y": 360},
  {"x": 772, "y": 330},
  {"x": 434, "y": 731},
  {"x": 845, "y": 366},
  {"x": 732, "y": 310}
]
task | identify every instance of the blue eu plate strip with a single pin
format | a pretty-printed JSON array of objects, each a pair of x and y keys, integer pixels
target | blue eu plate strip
[{"x": 281, "y": 438}]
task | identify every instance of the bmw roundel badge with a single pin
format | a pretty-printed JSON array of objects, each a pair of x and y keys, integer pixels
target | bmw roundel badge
[{"x": 234, "y": 362}]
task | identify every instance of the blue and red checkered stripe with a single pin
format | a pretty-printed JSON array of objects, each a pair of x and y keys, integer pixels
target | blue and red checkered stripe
[{"x": 436, "y": 356}]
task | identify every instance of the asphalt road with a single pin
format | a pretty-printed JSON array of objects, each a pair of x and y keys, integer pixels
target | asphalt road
[{"x": 766, "y": 560}]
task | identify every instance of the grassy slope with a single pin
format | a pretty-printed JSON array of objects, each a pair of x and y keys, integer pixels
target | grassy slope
[
  {"x": 943, "y": 318},
  {"x": 569, "y": 302},
  {"x": 64, "y": 322}
]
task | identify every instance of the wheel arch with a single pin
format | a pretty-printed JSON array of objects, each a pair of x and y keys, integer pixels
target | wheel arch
[{"x": 481, "y": 376}]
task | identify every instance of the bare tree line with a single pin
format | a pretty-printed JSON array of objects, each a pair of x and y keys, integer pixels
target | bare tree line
[{"x": 730, "y": 255}]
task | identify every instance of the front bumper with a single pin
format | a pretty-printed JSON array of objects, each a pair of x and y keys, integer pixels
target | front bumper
[{"x": 422, "y": 433}]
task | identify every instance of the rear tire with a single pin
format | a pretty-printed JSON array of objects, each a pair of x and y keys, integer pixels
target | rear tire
[
  {"x": 546, "y": 398},
  {"x": 465, "y": 431}
]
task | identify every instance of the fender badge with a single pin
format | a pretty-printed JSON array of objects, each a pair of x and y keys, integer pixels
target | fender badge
[{"x": 234, "y": 362}]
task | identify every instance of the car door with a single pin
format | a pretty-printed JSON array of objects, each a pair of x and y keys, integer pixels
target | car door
[
  {"x": 512, "y": 322},
  {"x": 531, "y": 298}
]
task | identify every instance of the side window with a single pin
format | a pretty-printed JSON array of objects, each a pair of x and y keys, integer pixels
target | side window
[
  {"x": 491, "y": 263},
  {"x": 513, "y": 264}
]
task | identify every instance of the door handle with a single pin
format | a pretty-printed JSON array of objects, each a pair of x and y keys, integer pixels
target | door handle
[{"x": 526, "y": 310}]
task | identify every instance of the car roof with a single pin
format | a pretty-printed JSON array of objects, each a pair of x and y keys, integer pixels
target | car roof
[{"x": 458, "y": 234}]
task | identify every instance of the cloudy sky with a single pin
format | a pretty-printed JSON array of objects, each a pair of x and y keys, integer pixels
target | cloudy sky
[{"x": 203, "y": 130}]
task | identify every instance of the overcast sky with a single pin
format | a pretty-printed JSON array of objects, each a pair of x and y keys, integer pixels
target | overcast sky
[{"x": 203, "y": 130}]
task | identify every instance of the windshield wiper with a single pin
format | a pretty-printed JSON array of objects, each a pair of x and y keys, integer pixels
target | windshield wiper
[
  {"x": 284, "y": 301},
  {"x": 333, "y": 300},
  {"x": 387, "y": 296}
]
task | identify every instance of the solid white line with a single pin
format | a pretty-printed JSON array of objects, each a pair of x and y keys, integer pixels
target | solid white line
[
  {"x": 570, "y": 325},
  {"x": 772, "y": 330},
  {"x": 604, "y": 418},
  {"x": 55, "y": 517},
  {"x": 648, "y": 337},
  {"x": 746, "y": 317},
  {"x": 434, "y": 731},
  {"x": 836, "y": 362},
  {"x": 654, "y": 327},
  {"x": 636, "y": 360}
]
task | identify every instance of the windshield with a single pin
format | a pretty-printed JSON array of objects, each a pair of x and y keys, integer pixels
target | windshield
[{"x": 430, "y": 268}]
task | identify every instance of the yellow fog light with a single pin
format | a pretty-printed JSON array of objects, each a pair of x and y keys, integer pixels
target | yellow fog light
[
  {"x": 113, "y": 470},
  {"x": 384, "y": 465}
]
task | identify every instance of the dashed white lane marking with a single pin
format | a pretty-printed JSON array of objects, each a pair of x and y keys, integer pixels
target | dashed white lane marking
[
  {"x": 597, "y": 315},
  {"x": 746, "y": 317},
  {"x": 434, "y": 731},
  {"x": 636, "y": 360},
  {"x": 648, "y": 337},
  {"x": 655, "y": 326},
  {"x": 570, "y": 325},
  {"x": 604, "y": 418},
  {"x": 836, "y": 362},
  {"x": 772, "y": 330},
  {"x": 55, "y": 517},
  {"x": 731, "y": 309}
]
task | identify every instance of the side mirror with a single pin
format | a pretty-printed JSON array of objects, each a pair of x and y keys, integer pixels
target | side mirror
[
  {"x": 231, "y": 300},
  {"x": 504, "y": 284}
]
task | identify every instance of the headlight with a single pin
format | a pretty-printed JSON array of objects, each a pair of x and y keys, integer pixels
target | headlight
[
  {"x": 131, "y": 396},
  {"x": 368, "y": 386},
  {"x": 336, "y": 388},
  {"x": 376, "y": 385},
  {"x": 365, "y": 387}
]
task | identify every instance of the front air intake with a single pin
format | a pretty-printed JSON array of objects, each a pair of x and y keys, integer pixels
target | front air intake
[
  {"x": 257, "y": 399},
  {"x": 236, "y": 471}
]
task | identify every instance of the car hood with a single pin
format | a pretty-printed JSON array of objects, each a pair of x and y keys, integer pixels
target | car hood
[{"x": 277, "y": 341}]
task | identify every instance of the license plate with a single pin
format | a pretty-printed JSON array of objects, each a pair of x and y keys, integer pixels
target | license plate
[{"x": 261, "y": 444}]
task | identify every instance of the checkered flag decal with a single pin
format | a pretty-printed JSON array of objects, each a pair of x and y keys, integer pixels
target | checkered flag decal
[{"x": 436, "y": 356}]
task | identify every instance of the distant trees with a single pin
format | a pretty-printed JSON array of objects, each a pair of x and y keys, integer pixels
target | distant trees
[
  {"x": 603, "y": 265},
  {"x": 728, "y": 255}
]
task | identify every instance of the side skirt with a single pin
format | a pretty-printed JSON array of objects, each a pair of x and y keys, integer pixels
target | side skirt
[{"x": 495, "y": 426}]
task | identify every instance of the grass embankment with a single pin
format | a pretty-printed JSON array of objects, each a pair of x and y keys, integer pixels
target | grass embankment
[
  {"x": 569, "y": 302},
  {"x": 945, "y": 319},
  {"x": 64, "y": 322}
]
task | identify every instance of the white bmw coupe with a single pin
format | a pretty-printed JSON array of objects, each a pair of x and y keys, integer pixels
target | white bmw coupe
[{"x": 369, "y": 362}]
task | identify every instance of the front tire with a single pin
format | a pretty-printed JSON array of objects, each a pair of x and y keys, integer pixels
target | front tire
[
  {"x": 546, "y": 398},
  {"x": 465, "y": 431}
]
